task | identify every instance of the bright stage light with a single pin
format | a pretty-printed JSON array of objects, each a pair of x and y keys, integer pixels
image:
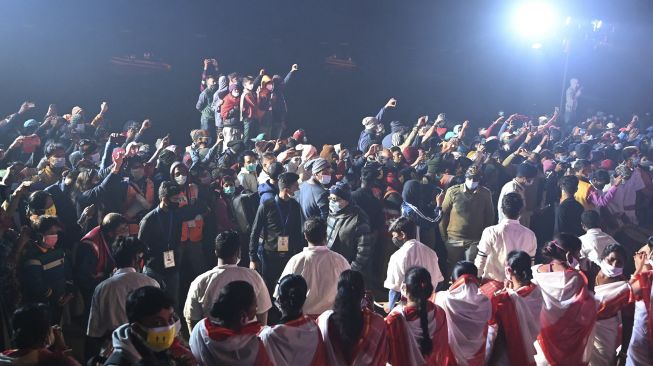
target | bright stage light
[
  {"x": 535, "y": 20},
  {"x": 536, "y": 46}
]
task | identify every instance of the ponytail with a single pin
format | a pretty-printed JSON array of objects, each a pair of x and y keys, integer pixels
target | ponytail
[
  {"x": 420, "y": 288},
  {"x": 347, "y": 314}
]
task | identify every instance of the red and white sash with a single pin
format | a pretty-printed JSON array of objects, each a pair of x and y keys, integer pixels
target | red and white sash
[
  {"x": 517, "y": 314},
  {"x": 468, "y": 312},
  {"x": 607, "y": 333},
  {"x": 298, "y": 342},
  {"x": 215, "y": 345},
  {"x": 567, "y": 319},
  {"x": 371, "y": 348},
  {"x": 404, "y": 330}
]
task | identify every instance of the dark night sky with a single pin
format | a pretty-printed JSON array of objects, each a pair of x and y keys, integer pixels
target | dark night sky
[{"x": 434, "y": 56}]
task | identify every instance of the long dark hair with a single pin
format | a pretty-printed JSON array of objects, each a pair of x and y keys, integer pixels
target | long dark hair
[
  {"x": 292, "y": 295},
  {"x": 520, "y": 263},
  {"x": 420, "y": 288},
  {"x": 347, "y": 314}
]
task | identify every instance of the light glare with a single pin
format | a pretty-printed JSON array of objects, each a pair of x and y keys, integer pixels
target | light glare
[{"x": 534, "y": 19}]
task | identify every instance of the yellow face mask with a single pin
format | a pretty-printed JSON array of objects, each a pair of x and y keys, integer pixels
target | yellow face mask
[
  {"x": 51, "y": 211},
  {"x": 160, "y": 338}
]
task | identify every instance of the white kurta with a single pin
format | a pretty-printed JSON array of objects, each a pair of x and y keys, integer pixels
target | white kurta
[
  {"x": 412, "y": 253},
  {"x": 204, "y": 290},
  {"x": 321, "y": 268},
  {"x": 495, "y": 244}
]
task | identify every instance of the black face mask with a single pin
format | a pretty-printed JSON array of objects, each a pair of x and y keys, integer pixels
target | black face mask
[
  {"x": 397, "y": 242},
  {"x": 173, "y": 205}
]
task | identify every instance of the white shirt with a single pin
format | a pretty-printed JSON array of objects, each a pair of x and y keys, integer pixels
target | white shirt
[
  {"x": 495, "y": 244},
  {"x": 204, "y": 290},
  {"x": 593, "y": 244},
  {"x": 321, "y": 268},
  {"x": 248, "y": 180},
  {"x": 510, "y": 187},
  {"x": 109, "y": 299},
  {"x": 411, "y": 254}
]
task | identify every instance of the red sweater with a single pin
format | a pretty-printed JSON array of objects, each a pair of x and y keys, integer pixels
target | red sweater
[{"x": 228, "y": 103}]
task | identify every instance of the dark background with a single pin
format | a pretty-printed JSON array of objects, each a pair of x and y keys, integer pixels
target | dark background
[{"x": 458, "y": 57}]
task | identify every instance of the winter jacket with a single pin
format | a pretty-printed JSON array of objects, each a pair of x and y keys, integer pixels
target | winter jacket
[{"x": 349, "y": 233}]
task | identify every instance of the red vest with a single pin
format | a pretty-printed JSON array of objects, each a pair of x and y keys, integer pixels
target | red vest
[{"x": 95, "y": 239}]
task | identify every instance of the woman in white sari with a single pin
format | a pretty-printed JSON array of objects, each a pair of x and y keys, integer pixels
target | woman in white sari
[
  {"x": 468, "y": 312},
  {"x": 569, "y": 313},
  {"x": 515, "y": 320},
  {"x": 296, "y": 340}
]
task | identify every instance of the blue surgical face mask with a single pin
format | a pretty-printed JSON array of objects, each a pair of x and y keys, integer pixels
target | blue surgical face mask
[{"x": 229, "y": 190}]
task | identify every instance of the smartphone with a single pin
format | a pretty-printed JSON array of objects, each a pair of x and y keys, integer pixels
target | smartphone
[{"x": 438, "y": 190}]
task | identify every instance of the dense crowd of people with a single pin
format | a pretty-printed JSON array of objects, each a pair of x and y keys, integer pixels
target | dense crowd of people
[{"x": 522, "y": 242}]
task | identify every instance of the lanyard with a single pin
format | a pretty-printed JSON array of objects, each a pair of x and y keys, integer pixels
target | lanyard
[
  {"x": 284, "y": 222},
  {"x": 169, "y": 225}
]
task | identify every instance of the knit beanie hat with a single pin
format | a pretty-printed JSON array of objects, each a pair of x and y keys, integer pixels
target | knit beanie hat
[{"x": 341, "y": 190}]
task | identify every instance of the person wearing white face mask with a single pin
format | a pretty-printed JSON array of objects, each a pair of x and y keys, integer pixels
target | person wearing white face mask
[
  {"x": 467, "y": 210},
  {"x": 56, "y": 163},
  {"x": 191, "y": 255},
  {"x": 612, "y": 291},
  {"x": 526, "y": 174},
  {"x": 349, "y": 232},
  {"x": 569, "y": 313},
  {"x": 313, "y": 195}
]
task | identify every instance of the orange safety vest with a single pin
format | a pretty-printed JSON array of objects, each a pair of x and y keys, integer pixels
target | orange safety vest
[
  {"x": 132, "y": 191},
  {"x": 191, "y": 230}
]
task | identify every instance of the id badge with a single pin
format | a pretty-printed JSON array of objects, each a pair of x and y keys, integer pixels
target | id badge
[
  {"x": 282, "y": 244},
  {"x": 169, "y": 259}
]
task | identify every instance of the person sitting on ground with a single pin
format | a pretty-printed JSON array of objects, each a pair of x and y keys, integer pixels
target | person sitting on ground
[
  {"x": 296, "y": 340},
  {"x": 468, "y": 312},
  {"x": 229, "y": 335},
  {"x": 417, "y": 330},
  {"x": 353, "y": 336},
  {"x": 515, "y": 321}
]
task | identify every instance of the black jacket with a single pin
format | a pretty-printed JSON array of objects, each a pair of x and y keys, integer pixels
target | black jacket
[
  {"x": 349, "y": 233},
  {"x": 268, "y": 226}
]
